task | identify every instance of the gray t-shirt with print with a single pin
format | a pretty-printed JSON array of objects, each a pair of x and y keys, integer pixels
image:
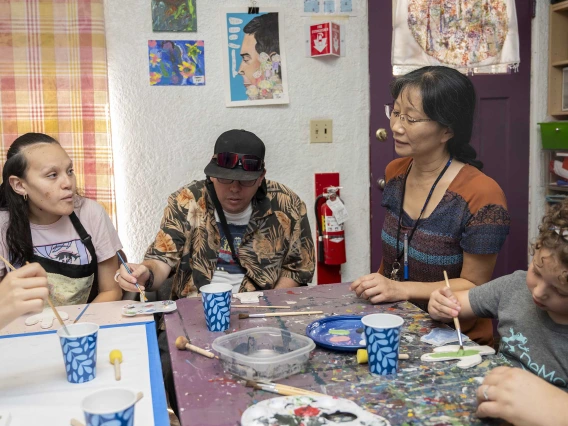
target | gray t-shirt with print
[{"x": 529, "y": 337}]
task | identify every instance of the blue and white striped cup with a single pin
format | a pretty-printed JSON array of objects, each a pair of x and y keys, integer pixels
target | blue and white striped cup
[
  {"x": 382, "y": 332},
  {"x": 217, "y": 305}
]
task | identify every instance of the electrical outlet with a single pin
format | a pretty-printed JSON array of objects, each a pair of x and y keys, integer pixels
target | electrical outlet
[{"x": 321, "y": 131}]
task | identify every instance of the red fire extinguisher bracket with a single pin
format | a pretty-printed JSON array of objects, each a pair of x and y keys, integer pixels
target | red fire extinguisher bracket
[{"x": 326, "y": 273}]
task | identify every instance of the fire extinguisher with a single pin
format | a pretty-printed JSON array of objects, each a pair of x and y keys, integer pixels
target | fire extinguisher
[{"x": 331, "y": 234}]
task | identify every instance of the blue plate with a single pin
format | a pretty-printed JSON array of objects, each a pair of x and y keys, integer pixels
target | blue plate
[{"x": 339, "y": 333}]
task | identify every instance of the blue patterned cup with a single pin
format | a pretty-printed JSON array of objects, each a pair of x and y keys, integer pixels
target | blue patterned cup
[
  {"x": 79, "y": 349},
  {"x": 217, "y": 305},
  {"x": 382, "y": 332},
  {"x": 112, "y": 407}
]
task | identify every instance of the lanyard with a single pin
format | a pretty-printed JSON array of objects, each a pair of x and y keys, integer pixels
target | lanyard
[{"x": 408, "y": 238}]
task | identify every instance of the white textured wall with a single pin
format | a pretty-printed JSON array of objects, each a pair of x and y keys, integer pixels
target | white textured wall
[
  {"x": 164, "y": 136},
  {"x": 539, "y": 105}
]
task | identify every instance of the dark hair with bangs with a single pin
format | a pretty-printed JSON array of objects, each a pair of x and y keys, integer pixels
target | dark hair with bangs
[
  {"x": 551, "y": 234},
  {"x": 448, "y": 97}
]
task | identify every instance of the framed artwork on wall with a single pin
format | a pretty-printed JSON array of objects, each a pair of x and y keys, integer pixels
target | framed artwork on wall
[
  {"x": 254, "y": 58},
  {"x": 174, "y": 15},
  {"x": 176, "y": 62}
]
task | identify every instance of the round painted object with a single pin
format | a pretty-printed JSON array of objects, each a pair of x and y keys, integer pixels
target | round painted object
[
  {"x": 294, "y": 410},
  {"x": 344, "y": 333}
]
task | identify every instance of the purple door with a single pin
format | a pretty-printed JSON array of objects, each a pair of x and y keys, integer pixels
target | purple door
[{"x": 501, "y": 133}]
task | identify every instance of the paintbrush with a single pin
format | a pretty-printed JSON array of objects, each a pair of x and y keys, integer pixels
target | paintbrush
[
  {"x": 456, "y": 320},
  {"x": 281, "y": 389},
  {"x": 278, "y": 314},
  {"x": 260, "y": 306},
  {"x": 183, "y": 344},
  {"x": 145, "y": 299},
  {"x": 9, "y": 265}
]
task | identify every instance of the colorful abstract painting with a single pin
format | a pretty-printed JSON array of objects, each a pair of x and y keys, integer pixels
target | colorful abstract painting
[
  {"x": 459, "y": 32},
  {"x": 174, "y": 15},
  {"x": 176, "y": 62}
]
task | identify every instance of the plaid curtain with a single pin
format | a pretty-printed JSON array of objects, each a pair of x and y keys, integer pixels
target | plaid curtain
[{"x": 53, "y": 80}]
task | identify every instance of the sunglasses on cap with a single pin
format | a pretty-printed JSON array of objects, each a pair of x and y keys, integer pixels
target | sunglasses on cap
[{"x": 229, "y": 160}]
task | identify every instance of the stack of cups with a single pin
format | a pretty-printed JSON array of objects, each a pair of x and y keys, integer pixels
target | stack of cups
[
  {"x": 382, "y": 332},
  {"x": 217, "y": 305}
]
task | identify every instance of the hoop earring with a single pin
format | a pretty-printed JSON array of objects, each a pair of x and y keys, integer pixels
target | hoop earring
[{"x": 25, "y": 197}]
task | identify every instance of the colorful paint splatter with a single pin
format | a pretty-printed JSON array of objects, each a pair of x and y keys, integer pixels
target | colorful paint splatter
[
  {"x": 459, "y": 32},
  {"x": 174, "y": 15},
  {"x": 176, "y": 62}
]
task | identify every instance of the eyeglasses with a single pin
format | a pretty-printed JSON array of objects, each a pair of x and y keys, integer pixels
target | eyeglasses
[
  {"x": 391, "y": 112},
  {"x": 248, "y": 162},
  {"x": 247, "y": 183}
]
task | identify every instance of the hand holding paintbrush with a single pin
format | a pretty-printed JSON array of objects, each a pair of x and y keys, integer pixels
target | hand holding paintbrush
[
  {"x": 22, "y": 291},
  {"x": 142, "y": 294},
  {"x": 456, "y": 320}
]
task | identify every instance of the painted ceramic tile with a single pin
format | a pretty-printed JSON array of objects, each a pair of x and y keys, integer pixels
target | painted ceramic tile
[
  {"x": 174, "y": 15},
  {"x": 459, "y": 33},
  {"x": 255, "y": 71},
  {"x": 176, "y": 62}
]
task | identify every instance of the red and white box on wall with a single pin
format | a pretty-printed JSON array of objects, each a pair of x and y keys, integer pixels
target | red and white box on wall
[{"x": 324, "y": 39}]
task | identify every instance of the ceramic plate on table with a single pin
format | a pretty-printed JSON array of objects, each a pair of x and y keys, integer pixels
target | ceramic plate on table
[
  {"x": 309, "y": 410},
  {"x": 339, "y": 333}
]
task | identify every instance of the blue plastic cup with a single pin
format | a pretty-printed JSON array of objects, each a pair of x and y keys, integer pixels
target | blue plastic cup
[
  {"x": 109, "y": 406},
  {"x": 382, "y": 332},
  {"x": 217, "y": 305},
  {"x": 79, "y": 349}
]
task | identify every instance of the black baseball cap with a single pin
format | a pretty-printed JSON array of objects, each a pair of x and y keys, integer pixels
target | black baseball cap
[{"x": 240, "y": 142}]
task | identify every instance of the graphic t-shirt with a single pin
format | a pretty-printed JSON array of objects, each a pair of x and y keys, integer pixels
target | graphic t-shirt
[
  {"x": 228, "y": 271},
  {"x": 60, "y": 241},
  {"x": 529, "y": 337}
]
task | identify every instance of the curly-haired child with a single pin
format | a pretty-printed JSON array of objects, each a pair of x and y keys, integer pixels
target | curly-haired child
[{"x": 532, "y": 306}]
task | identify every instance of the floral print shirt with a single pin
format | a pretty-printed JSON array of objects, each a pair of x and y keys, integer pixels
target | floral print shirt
[{"x": 277, "y": 243}]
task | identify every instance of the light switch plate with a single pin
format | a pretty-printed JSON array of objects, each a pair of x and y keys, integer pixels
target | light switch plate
[{"x": 321, "y": 131}]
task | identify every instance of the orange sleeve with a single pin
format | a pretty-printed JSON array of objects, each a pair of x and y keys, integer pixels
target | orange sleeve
[{"x": 397, "y": 167}]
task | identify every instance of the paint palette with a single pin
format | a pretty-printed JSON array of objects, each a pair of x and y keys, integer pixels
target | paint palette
[
  {"x": 339, "y": 333},
  {"x": 309, "y": 410},
  {"x": 163, "y": 306}
]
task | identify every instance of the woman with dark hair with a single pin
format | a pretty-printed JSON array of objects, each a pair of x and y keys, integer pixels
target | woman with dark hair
[
  {"x": 440, "y": 206},
  {"x": 43, "y": 220}
]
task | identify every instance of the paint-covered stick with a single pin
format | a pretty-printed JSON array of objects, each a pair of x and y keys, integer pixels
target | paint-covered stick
[
  {"x": 279, "y": 314},
  {"x": 115, "y": 358}
]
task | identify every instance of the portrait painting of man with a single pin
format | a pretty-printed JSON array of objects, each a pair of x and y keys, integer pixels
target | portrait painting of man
[{"x": 254, "y": 65}]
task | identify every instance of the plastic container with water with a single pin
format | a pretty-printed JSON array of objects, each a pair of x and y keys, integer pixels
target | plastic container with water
[{"x": 264, "y": 353}]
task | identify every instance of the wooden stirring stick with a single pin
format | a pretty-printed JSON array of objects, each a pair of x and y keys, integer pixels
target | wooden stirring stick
[
  {"x": 279, "y": 314},
  {"x": 456, "y": 320},
  {"x": 260, "y": 306}
]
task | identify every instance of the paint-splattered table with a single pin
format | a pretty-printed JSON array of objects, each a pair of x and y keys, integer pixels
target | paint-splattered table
[{"x": 421, "y": 393}]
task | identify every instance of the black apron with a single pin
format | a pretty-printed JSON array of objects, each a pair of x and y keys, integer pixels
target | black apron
[{"x": 65, "y": 276}]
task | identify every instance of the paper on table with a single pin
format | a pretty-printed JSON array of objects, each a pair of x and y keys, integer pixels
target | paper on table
[{"x": 33, "y": 374}]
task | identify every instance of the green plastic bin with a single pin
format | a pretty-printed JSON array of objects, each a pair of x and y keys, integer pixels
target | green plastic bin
[{"x": 554, "y": 134}]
